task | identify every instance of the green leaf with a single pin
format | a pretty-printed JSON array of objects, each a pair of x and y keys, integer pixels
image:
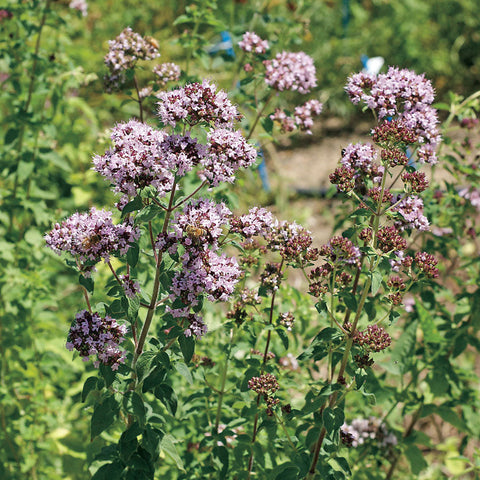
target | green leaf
[
  {"x": 11, "y": 135},
  {"x": 24, "y": 170},
  {"x": 128, "y": 442},
  {"x": 350, "y": 301},
  {"x": 109, "y": 471},
  {"x": 430, "y": 331},
  {"x": 135, "y": 204},
  {"x": 415, "y": 458},
  {"x": 155, "y": 378},
  {"x": 148, "y": 213},
  {"x": 377, "y": 278},
  {"x": 328, "y": 419},
  {"x": 451, "y": 416},
  {"x": 167, "y": 445},
  {"x": 138, "y": 408},
  {"x": 267, "y": 124},
  {"x": 132, "y": 255},
  {"x": 187, "y": 345},
  {"x": 89, "y": 385},
  {"x": 103, "y": 416},
  {"x": 88, "y": 283},
  {"x": 151, "y": 439},
  {"x": 184, "y": 371},
  {"x": 167, "y": 396},
  {"x": 287, "y": 472},
  {"x": 220, "y": 458},
  {"x": 133, "y": 307},
  {"x": 283, "y": 337}
]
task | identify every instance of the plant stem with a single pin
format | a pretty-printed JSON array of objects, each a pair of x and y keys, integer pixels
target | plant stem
[
  {"x": 259, "y": 114},
  {"x": 221, "y": 393},
  {"x": 156, "y": 286},
  {"x": 139, "y": 98}
]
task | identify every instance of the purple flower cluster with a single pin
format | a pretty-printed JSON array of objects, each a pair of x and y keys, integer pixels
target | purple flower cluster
[
  {"x": 92, "y": 236},
  {"x": 227, "y": 152},
  {"x": 197, "y": 103},
  {"x": 251, "y": 42},
  {"x": 90, "y": 334},
  {"x": 302, "y": 117},
  {"x": 291, "y": 71},
  {"x": 374, "y": 338},
  {"x": 411, "y": 216},
  {"x": 266, "y": 385},
  {"x": 142, "y": 156},
  {"x": 258, "y": 221},
  {"x": 123, "y": 54},
  {"x": 427, "y": 263},
  {"x": 404, "y": 95},
  {"x": 166, "y": 72},
  {"x": 130, "y": 287},
  {"x": 204, "y": 272}
]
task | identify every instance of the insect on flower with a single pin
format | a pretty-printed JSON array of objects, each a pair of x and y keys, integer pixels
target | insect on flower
[
  {"x": 89, "y": 242},
  {"x": 152, "y": 41},
  {"x": 195, "y": 232}
]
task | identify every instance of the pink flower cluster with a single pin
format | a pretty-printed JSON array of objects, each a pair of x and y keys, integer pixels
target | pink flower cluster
[
  {"x": 123, "y": 54},
  {"x": 142, "y": 156},
  {"x": 197, "y": 103},
  {"x": 291, "y": 71},
  {"x": 90, "y": 334},
  {"x": 251, "y": 42},
  {"x": 227, "y": 152},
  {"x": 166, "y": 72},
  {"x": 204, "y": 272},
  {"x": 374, "y": 338},
  {"x": 411, "y": 216},
  {"x": 402, "y": 94},
  {"x": 92, "y": 236},
  {"x": 302, "y": 118},
  {"x": 258, "y": 221}
]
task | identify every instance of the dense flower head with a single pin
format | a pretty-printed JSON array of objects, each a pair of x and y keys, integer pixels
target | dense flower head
[
  {"x": 411, "y": 216},
  {"x": 393, "y": 133},
  {"x": 258, "y": 221},
  {"x": 389, "y": 238},
  {"x": 265, "y": 384},
  {"x": 251, "y": 42},
  {"x": 209, "y": 273},
  {"x": 341, "y": 250},
  {"x": 427, "y": 263},
  {"x": 304, "y": 114},
  {"x": 344, "y": 178},
  {"x": 417, "y": 181},
  {"x": 292, "y": 241},
  {"x": 197, "y": 103},
  {"x": 166, "y": 72},
  {"x": 135, "y": 160},
  {"x": 291, "y": 71},
  {"x": 361, "y": 157},
  {"x": 92, "y": 236},
  {"x": 287, "y": 320},
  {"x": 362, "y": 430},
  {"x": 197, "y": 227},
  {"x": 227, "y": 152},
  {"x": 123, "y": 54},
  {"x": 181, "y": 153},
  {"x": 405, "y": 96},
  {"x": 90, "y": 334},
  {"x": 302, "y": 117},
  {"x": 373, "y": 338}
]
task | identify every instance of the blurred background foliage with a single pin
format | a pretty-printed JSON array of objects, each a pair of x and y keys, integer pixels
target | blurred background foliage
[{"x": 53, "y": 112}]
